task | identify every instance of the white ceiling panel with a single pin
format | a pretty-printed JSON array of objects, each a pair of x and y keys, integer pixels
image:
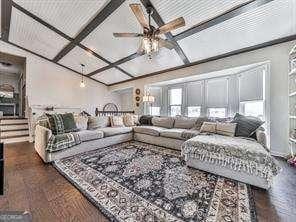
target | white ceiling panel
[
  {"x": 77, "y": 56},
  {"x": 111, "y": 76},
  {"x": 271, "y": 21},
  {"x": 193, "y": 11},
  {"x": 69, "y": 16},
  {"x": 163, "y": 60},
  {"x": 28, "y": 33},
  {"x": 102, "y": 41}
]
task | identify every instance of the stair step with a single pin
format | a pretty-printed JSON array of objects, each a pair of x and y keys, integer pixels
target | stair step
[
  {"x": 13, "y": 121},
  {"x": 14, "y": 133},
  {"x": 12, "y": 127},
  {"x": 14, "y": 136},
  {"x": 15, "y": 140}
]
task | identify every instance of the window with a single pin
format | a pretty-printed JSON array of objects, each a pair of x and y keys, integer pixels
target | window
[
  {"x": 175, "y": 98},
  {"x": 154, "y": 110},
  {"x": 217, "y": 112},
  {"x": 253, "y": 108},
  {"x": 194, "y": 111}
]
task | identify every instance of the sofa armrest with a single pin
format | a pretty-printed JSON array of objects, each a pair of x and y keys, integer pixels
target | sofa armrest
[
  {"x": 262, "y": 139},
  {"x": 42, "y": 135}
]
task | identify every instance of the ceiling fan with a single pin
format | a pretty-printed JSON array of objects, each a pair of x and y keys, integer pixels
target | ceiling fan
[{"x": 150, "y": 38}]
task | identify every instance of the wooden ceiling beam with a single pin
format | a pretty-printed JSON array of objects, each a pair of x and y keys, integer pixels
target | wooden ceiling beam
[
  {"x": 225, "y": 55},
  {"x": 36, "y": 18},
  {"x": 92, "y": 25},
  {"x": 43, "y": 57},
  {"x": 236, "y": 11},
  {"x": 6, "y": 7}
]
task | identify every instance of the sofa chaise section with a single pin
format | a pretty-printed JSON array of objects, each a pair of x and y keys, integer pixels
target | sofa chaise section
[{"x": 241, "y": 159}]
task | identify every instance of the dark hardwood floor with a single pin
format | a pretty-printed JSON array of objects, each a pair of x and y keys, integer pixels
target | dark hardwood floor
[{"x": 38, "y": 188}]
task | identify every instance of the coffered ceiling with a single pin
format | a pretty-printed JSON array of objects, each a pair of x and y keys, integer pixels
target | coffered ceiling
[{"x": 71, "y": 32}]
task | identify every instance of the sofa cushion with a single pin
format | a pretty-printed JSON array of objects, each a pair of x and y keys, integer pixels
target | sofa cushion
[
  {"x": 184, "y": 122},
  {"x": 95, "y": 122},
  {"x": 166, "y": 122},
  {"x": 86, "y": 135},
  {"x": 173, "y": 133},
  {"x": 150, "y": 130},
  {"x": 111, "y": 131}
]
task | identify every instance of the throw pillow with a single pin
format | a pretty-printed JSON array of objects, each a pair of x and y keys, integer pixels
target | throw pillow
[
  {"x": 200, "y": 121},
  {"x": 166, "y": 122},
  {"x": 146, "y": 120},
  {"x": 130, "y": 120},
  {"x": 208, "y": 127},
  {"x": 116, "y": 121},
  {"x": 95, "y": 122},
  {"x": 69, "y": 122},
  {"x": 226, "y": 129},
  {"x": 43, "y": 121},
  {"x": 81, "y": 122},
  {"x": 56, "y": 123},
  {"x": 246, "y": 125},
  {"x": 184, "y": 122}
]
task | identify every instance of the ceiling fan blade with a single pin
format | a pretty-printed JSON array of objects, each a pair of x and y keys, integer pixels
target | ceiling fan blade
[
  {"x": 166, "y": 43},
  {"x": 137, "y": 10},
  {"x": 115, "y": 34},
  {"x": 177, "y": 23}
]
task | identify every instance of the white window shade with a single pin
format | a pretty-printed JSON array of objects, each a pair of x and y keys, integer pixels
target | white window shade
[
  {"x": 175, "y": 96},
  {"x": 217, "y": 92},
  {"x": 251, "y": 85},
  {"x": 156, "y": 93},
  {"x": 194, "y": 94}
]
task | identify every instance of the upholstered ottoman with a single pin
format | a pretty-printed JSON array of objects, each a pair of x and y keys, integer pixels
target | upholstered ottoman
[{"x": 241, "y": 159}]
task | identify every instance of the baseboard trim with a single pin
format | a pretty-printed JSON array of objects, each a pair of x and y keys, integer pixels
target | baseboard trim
[{"x": 278, "y": 154}]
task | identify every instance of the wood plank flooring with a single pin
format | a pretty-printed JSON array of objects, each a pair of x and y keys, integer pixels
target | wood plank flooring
[{"x": 38, "y": 188}]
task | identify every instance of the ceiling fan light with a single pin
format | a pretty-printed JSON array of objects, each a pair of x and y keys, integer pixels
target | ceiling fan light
[{"x": 150, "y": 45}]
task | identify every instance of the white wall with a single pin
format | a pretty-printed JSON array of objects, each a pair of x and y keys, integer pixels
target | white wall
[
  {"x": 50, "y": 84},
  {"x": 126, "y": 100},
  {"x": 11, "y": 79},
  {"x": 277, "y": 55}
]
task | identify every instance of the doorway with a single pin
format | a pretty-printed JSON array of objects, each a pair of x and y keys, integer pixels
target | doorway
[{"x": 12, "y": 86}]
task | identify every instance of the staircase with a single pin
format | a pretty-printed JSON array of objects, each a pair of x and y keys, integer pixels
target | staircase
[{"x": 13, "y": 130}]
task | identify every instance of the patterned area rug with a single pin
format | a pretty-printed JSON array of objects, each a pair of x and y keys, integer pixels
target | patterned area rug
[{"x": 139, "y": 182}]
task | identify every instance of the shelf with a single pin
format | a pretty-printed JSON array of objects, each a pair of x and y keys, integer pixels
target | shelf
[
  {"x": 292, "y": 94},
  {"x": 292, "y": 117},
  {"x": 292, "y": 140},
  {"x": 293, "y": 71}
]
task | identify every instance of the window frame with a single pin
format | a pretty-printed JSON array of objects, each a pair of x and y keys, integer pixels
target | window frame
[{"x": 182, "y": 105}]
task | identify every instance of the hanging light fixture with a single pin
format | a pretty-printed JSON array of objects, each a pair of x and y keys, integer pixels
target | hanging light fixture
[{"x": 82, "y": 83}]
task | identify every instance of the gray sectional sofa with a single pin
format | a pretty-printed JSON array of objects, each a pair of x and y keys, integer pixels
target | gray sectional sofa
[{"x": 172, "y": 133}]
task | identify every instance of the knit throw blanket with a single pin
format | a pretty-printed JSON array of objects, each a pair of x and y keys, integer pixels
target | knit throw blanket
[
  {"x": 62, "y": 141},
  {"x": 236, "y": 153},
  {"x": 188, "y": 134}
]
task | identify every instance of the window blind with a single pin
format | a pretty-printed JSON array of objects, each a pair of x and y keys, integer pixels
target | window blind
[
  {"x": 217, "y": 92},
  {"x": 195, "y": 93},
  {"x": 251, "y": 85}
]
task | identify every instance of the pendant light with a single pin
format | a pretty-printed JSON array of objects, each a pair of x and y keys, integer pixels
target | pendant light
[{"x": 82, "y": 83}]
